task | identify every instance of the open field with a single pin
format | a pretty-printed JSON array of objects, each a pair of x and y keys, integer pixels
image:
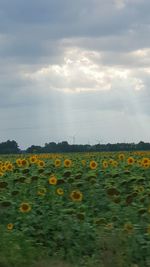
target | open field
[{"x": 76, "y": 209}]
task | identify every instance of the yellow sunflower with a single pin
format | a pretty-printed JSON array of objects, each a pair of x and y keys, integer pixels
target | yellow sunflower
[
  {"x": 145, "y": 161},
  {"x": 146, "y": 165},
  {"x": 33, "y": 159},
  {"x": 93, "y": 164},
  {"x": 24, "y": 163},
  {"x": 19, "y": 162},
  {"x": 41, "y": 164},
  {"x": 76, "y": 195},
  {"x": 59, "y": 191},
  {"x": 130, "y": 161},
  {"x": 57, "y": 163},
  {"x": 105, "y": 164},
  {"x": 10, "y": 226},
  {"x": 67, "y": 163},
  {"x": 121, "y": 156},
  {"x": 52, "y": 180},
  {"x": 3, "y": 168},
  {"x": 9, "y": 167},
  {"x": 25, "y": 207},
  {"x": 114, "y": 163}
]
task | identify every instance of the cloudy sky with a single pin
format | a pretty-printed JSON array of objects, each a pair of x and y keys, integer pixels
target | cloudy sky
[{"x": 74, "y": 70}]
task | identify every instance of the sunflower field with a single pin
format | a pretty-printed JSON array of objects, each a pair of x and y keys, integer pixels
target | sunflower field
[{"x": 84, "y": 209}]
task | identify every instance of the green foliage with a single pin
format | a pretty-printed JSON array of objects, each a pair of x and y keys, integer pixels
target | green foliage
[{"x": 109, "y": 226}]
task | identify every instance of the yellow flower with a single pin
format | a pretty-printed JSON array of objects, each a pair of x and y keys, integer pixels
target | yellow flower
[
  {"x": 9, "y": 167},
  {"x": 105, "y": 164},
  {"x": 33, "y": 159},
  {"x": 114, "y": 163},
  {"x": 52, "y": 180},
  {"x": 10, "y": 226},
  {"x": 57, "y": 163},
  {"x": 1, "y": 174},
  {"x": 130, "y": 161},
  {"x": 60, "y": 191},
  {"x": 25, "y": 207},
  {"x": 19, "y": 162},
  {"x": 3, "y": 168},
  {"x": 146, "y": 165},
  {"x": 145, "y": 161},
  {"x": 111, "y": 161},
  {"x": 93, "y": 165},
  {"x": 121, "y": 156},
  {"x": 67, "y": 163},
  {"x": 41, "y": 164},
  {"x": 24, "y": 163},
  {"x": 76, "y": 195}
]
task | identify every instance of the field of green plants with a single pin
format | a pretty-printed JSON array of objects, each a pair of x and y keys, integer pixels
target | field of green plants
[{"x": 80, "y": 209}]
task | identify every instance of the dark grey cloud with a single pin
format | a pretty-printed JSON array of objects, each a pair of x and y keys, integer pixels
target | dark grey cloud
[{"x": 29, "y": 24}]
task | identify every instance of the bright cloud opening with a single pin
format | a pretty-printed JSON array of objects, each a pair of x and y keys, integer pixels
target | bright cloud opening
[{"x": 83, "y": 71}]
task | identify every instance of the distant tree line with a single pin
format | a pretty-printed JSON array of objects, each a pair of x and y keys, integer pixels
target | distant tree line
[{"x": 11, "y": 147}]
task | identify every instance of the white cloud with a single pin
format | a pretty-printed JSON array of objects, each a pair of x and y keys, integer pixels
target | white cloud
[
  {"x": 82, "y": 71},
  {"x": 120, "y": 3}
]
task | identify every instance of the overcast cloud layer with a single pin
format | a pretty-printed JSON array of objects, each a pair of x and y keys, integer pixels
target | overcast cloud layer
[{"x": 74, "y": 70}]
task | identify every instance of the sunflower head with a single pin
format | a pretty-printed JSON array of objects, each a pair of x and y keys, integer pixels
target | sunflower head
[
  {"x": 24, "y": 163},
  {"x": 10, "y": 226},
  {"x": 60, "y": 191},
  {"x": 76, "y": 195},
  {"x": 33, "y": 159},
  {"x": 57, "y": 163},
  {"x": 9, "y": 167},
  {"x": 130, "y": 161},
  {"x": 18, "y": 162},
  {"x": 121, "y": 156},
  {"x": 145, "y": 161},
  {"x": 25, "y": 207},
  {"x": 114, "y": 163},
  {"x": 52, "y": 180},
  {"x": 67, "y": 163},
  {"x": 3, "y": 168},
  {"x": 105, "y": 164},
  {"x": 41, "y": 164},
  {"x": 93, "y": 164}
]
